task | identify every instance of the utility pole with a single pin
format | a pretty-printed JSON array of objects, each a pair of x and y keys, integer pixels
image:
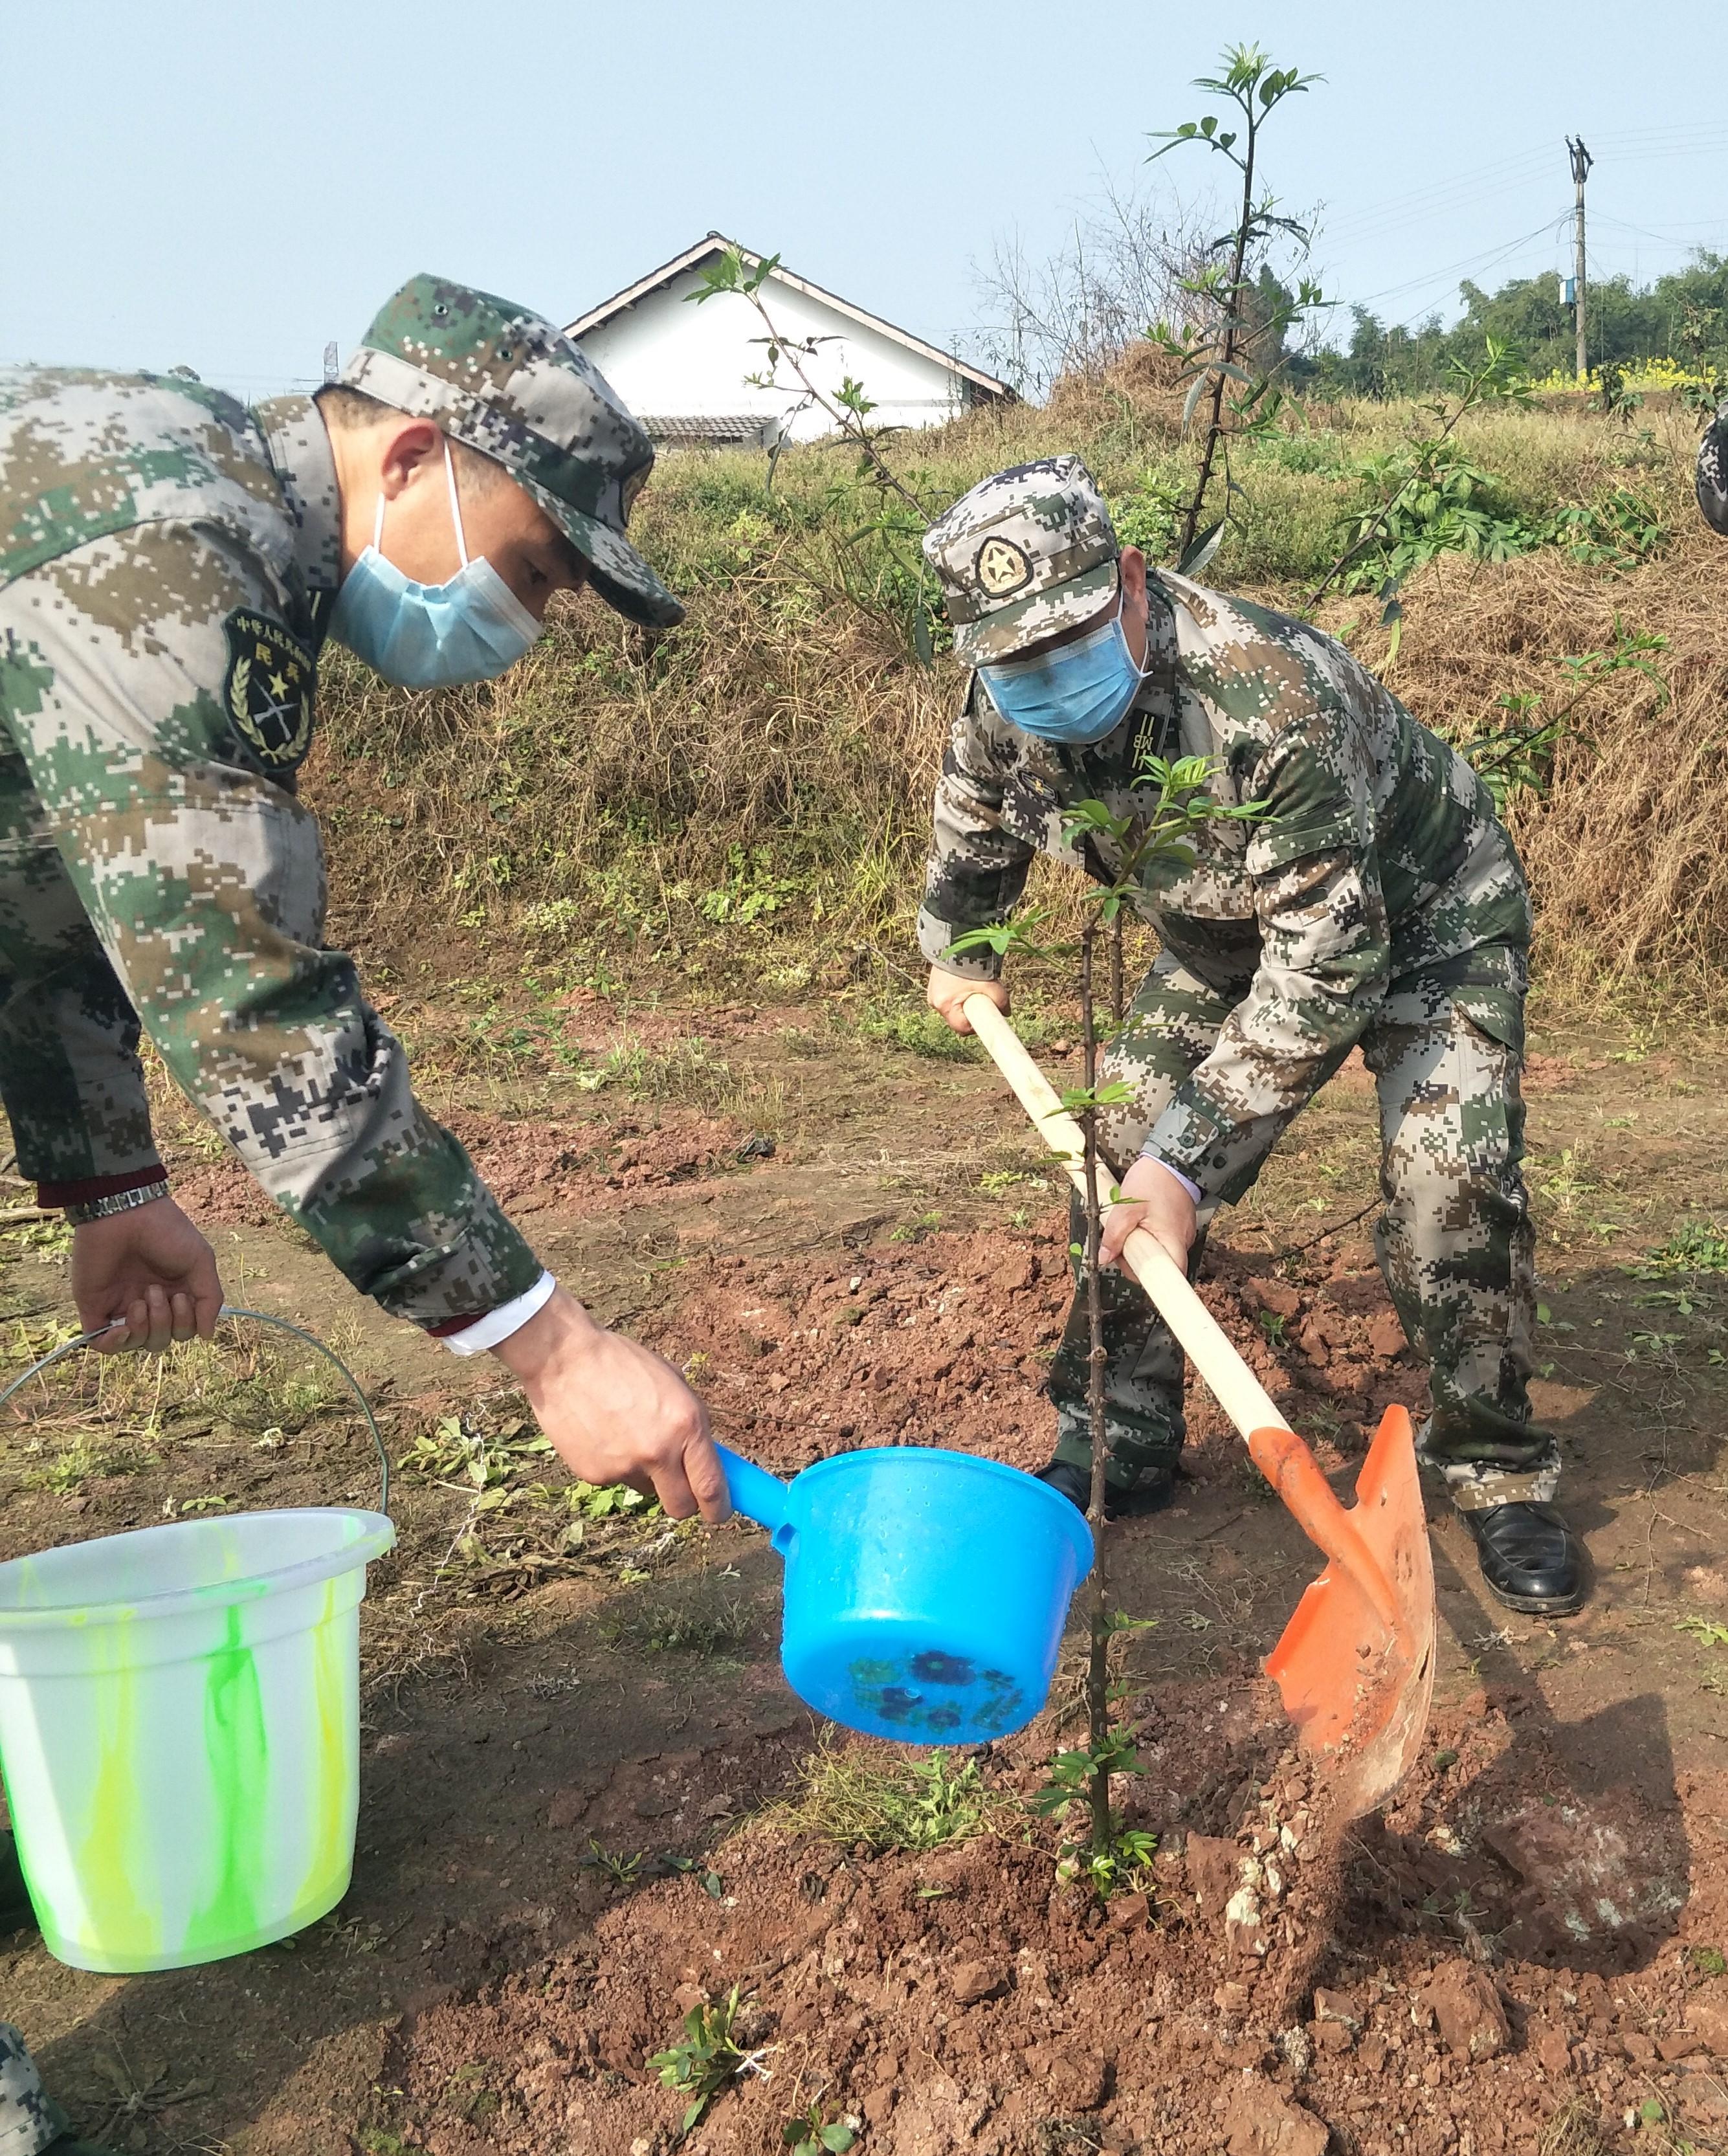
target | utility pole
[{"x": 1581, "y": 162}]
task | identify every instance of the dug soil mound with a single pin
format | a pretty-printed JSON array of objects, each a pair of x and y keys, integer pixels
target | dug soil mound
[
  {"x": 1493, "y": 1965},
  {"x": 948, "y": 1341}
]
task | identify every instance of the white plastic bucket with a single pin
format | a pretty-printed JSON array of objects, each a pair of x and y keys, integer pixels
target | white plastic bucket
[{"x": 180, "y": 1731}]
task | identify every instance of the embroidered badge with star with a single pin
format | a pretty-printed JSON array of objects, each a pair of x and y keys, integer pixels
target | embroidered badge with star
[{"x": 269, "y": 690}]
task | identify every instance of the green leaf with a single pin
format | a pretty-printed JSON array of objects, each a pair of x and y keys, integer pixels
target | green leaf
[
  {"x": 693, "y": 2115},
  {"x": 1206, "y": 543},
  {"x": 1113, "y": 1096},
  {"x": 838, "y": 2139}
]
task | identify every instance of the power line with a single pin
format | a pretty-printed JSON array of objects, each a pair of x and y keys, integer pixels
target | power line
[
  {"x": 1485, "y": 260},
  {"x": 1502, "y": 177}
]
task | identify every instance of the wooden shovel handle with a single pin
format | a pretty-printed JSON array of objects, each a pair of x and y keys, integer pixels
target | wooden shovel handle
[{"x": 1231, "y": 1383}]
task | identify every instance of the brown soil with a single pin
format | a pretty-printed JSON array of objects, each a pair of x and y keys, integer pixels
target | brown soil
[
  {"x": 1497, "y": 1948},
  {"x": 1515, "y": 1958}
]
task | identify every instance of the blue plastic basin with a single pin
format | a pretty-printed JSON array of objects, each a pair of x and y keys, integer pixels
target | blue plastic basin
[{"x": 926, "y": 1590}]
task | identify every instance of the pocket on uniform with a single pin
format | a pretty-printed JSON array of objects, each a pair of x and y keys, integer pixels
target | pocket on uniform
[{"x": 1499, "y": 1013}]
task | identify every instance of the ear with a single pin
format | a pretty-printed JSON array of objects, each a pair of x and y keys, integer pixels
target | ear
[
  {"x": 1131, "y": 568},
  {"x": 406, "y": 452}
]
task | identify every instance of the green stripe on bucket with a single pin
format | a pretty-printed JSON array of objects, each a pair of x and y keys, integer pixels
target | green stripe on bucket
[
  {"x": 236, "y": 1757},
  {"x": 331, "y": 1839},
  {"x": 122, "y": 1925}
]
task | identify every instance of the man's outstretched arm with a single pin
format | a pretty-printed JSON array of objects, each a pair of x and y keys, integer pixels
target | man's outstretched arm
[{"x": 203, "y": 876}]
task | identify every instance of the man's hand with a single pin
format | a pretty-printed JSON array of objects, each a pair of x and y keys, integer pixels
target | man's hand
[
  {"x": 947, "y": 993},
  {"x": 150, "y": 1267},
  {"x": 1153, "y": 1199},
  {"x": 614, "y": 1412}
]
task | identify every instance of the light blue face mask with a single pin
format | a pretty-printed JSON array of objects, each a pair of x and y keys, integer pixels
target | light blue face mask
[
  {"x": 428, "y": 636},
  {"x": 1078, "y": 693}
]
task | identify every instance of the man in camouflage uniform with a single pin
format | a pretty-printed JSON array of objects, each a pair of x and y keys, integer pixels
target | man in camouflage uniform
[
  {"x": 30, "y": 2123},
  {"x": 1711, "y": 475},
  {"x": 1375, "y": 900},
  {"x": 170, "y": 564}
]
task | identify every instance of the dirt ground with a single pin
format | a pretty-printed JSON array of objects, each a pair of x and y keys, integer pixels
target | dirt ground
[{"x": 849, "y": 1244}]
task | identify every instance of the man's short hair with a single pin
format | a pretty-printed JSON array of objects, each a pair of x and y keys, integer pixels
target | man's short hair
[{"x": 347, "y": 411}]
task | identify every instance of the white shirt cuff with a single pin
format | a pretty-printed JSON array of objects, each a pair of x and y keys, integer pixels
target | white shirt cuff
[
  {"x": 499, "y": 1324},
  {"x": 1192, "y": 1188}
]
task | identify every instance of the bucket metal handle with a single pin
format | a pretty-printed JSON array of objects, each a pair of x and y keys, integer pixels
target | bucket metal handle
[{"x": 258, "y": 1318}]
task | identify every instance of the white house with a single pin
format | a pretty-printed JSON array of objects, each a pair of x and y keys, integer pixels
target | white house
[{"x": 681, "y": 366}]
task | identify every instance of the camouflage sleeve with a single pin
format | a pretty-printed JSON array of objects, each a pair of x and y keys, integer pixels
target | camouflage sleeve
[
  {"x": 69, "y": 1073},
  {"x": 167, "y": 774},
  {"x": 1711, "y": 478},
  {"x": 977, "y": 868},
  {"x": 1325, "y": 949}
]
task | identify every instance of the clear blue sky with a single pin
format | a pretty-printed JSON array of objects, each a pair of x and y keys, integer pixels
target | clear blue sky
[{"x": 227, "y": 183}]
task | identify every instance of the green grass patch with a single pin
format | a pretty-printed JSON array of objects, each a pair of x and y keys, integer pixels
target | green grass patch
[
  {"x": 1697, "y": 1246},
  {"x": 681, "y": 1625},
  {"x": 852, "y": 1796}
]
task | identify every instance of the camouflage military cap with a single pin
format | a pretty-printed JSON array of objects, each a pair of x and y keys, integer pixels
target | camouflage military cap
[
  {"x": 1027, "y": 553},
  {"x": 515, "y": 387}
]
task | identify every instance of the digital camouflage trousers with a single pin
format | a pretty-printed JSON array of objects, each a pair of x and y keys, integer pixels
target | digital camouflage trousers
[
  {"x": 28, "y": 2122},
  {"x": 1453, "y": 1240}
]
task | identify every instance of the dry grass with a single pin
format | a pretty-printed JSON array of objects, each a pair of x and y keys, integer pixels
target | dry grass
[
  {"x": 745, "y": 801},
  {"x": 852, "y": 1794},
  {"x": 1628, "y": 858},
  {"x": 652, "y": 802}
]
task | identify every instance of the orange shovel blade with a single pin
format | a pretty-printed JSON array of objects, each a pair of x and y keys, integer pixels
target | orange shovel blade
[{"x": 1355, "y": 1664}]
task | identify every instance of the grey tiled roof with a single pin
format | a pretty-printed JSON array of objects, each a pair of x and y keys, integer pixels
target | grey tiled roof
[{"x": 705, "y": 426}]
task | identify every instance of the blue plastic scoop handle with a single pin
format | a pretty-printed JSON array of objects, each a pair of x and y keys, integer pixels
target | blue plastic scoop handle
[{"x": 754, "y": 1491}]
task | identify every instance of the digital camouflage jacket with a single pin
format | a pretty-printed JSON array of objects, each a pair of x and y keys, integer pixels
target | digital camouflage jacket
[
  {"x": 167, "y": 558},
  {"x": 1378, "y": 861}
]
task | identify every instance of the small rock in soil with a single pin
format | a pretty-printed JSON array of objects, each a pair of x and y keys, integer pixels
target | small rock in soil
[
  {"x": 1259, "y": 2122},
  {"x": 1554, "y": 2055},
  {"x": 1214, "y": 1867},
  {"x": 973, "y": 1980},
  {"x": 879, "y": 2104},
  {"x": 1277, "y": 1297},
  {"x": 1473, "y": 2022},
  {"x": 1386, "y": 1336},
  {"x": 1707, "y": 2014}
]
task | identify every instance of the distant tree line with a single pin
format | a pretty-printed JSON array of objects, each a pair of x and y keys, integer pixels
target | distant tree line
[{"x": 1682, "y": 317}]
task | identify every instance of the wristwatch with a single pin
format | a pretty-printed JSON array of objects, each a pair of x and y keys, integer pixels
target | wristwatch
[{"x": 116, "y": 1201}]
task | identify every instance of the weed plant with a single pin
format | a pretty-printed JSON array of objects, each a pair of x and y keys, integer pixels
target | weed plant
[
  {"x": 719, "y": 1628},
  {"x": 707, "y": 2059},
  {"x": 888, "y": 1802}
]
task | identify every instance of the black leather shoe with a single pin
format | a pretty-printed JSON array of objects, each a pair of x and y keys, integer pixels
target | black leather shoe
[
  {"x": 1530, "y": 1558},
  {"x": 1150, "y": 1495}
]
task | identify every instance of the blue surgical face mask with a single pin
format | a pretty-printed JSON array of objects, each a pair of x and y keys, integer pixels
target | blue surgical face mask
[
  {"x": 428, "y": 636},
  {"x": 1078, "y": 693}
]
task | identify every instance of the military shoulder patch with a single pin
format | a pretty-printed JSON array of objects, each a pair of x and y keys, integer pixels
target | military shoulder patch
[
  {"x": 1002, "y": 567},
  {"x": 268, "y": 694}
]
